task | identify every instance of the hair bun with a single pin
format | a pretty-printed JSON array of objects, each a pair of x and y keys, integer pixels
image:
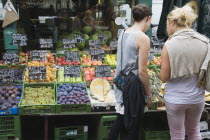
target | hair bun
[
  {"x": 185, "y": 16},
  {"x": 181, "y": 18}
]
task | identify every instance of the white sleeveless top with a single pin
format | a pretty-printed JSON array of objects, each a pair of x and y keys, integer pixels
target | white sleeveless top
[{"x": 184, "y": 91}]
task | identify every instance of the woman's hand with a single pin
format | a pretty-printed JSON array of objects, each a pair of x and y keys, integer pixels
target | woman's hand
[{"x": 149, "y": 102}]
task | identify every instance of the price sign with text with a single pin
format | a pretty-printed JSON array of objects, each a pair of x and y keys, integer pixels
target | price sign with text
[
  {"x": 38, "y": 55},
  {"x": 46, "y": 43},
  {"x": 102, "y": 37},
  {"x": 95, "y": 44},
  {"x": 113, "y": 45},
  {"x": 7, "y": 75},
  {"x": 11, "y": 58},
  {"x": 37, "y": 72},
  {"x": 72, "y": 56},
  {"x": 97, "y": 55},
  {"x": 72, "y": 71},
  {"x": 19, "y": 40},
  {"x": 79, "y": 38},
  {"x": 103, "y": 71},
  {"x": 69, "y": 43}
]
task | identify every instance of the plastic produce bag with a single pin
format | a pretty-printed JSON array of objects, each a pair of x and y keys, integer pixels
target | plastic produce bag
[{"x": 11, "y": 14}]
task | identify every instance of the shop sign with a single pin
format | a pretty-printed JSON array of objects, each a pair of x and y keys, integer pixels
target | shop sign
[
  {"x": 103, "y": 71},
  {"x": 72, "y": 71},
  {"x": 46, "y": 43},
  {"x": 6, "y": 75},
  {"x": 113, "y": 45},
  {"x": 37, "y": 72},
  {"x": 79, "y": 38},
  {"x": 95, "y": 44},
  {"x": 102, "y": 38},
  {"x": 11, "y": 58},
  {"x": 69, "y": 43},
  {"x": 38, "y": 55},
  {"x": 72, "y": 56},
  {"x": 19, "y": 39},
  {"x": 97, "y": 55}
]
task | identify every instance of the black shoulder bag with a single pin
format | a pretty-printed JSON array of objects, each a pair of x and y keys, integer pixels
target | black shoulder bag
[{"x": 120, "y": 79}]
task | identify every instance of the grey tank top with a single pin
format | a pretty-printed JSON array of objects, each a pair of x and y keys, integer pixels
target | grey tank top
[{"x": 129, "y": 59}]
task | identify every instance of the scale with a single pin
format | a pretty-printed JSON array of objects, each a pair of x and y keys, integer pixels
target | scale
[{"x": 125, "y": 16}]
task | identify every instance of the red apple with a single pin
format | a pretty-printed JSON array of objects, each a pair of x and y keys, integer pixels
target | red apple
[{"x": 110, "y": 78}]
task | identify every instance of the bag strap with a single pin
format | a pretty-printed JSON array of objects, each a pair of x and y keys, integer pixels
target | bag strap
[{"x": 122, "y": 48}]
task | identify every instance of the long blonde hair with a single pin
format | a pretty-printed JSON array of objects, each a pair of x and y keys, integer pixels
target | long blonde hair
[{"x": 184, "y": 16}]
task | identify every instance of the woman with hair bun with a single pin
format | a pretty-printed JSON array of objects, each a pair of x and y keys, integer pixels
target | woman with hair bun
[
  {"x": 132, "y": 56},
  {"x": 182, "y": 56}
]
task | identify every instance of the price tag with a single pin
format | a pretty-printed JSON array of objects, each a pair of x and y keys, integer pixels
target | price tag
[
  {"x": 37, "y": 72},
  {"x": 7, "y": 75},
  {"x": 97, "y": 55},
  {"x": 95, "y": 44},
  {"x": 69, "y": 43},
  {"x": 103, "y": 71},
  {"x": 79, "y": 38},
  {"x": 46, "y": 42},
  {"x": 72, "y": 56},
  {"x": 102, "y": 37},
  {"x": 11, "y": 58},
  {"x": 72, "y": 71},
  {"x": 19, "y": 40},
  {"x": 151, "y": 55},
  {"x": 113, "y": 45},
  {"x": 38, "y": 55}
]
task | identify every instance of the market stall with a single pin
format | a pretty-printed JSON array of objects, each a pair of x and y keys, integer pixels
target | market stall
[{"x": 58, "y": 64}]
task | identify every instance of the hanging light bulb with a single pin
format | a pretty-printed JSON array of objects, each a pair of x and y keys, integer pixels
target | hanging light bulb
[{"x": 99, "y": 2}]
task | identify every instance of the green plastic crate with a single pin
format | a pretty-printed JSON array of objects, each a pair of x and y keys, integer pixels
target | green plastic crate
[
  {"x": 104, "y": 127},
  {"x": 71, "y": 133},
  {"x": 156, "y": 135},
  {"x": 70, "y": 108},
  {"x": 10, "y": 126},
  {"x": 36, "y": 109},
  {"x": 10, "y": 138}
]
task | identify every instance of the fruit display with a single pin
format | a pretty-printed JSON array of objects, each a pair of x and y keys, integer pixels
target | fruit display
[
  {"x": 62, "y": 61},
  {"x": 89, "y": 73},
  {"x": 23, "y": 58},
  {"x": 50, "y": 58},
  {"x": 72, "y": 94},
  {"x": 50, "y": 72},
  {"x": 9, "y": 97},
  {"x": 86, "y": 61},
  {"x": 61, "y": 78},
  {"x": 156, "y": 60},
  {"x": 43, "y": 95},
  {"x": 155, "y": 82},
  {"x": 99, "y": 89},
  {"x": 87, "y": 30},
  {"x": 110, "y": 60},
  {"x": 207, "y": 96}
]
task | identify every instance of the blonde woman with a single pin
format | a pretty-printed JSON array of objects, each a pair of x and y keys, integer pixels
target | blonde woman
[{"x": 182, "y": 56}]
